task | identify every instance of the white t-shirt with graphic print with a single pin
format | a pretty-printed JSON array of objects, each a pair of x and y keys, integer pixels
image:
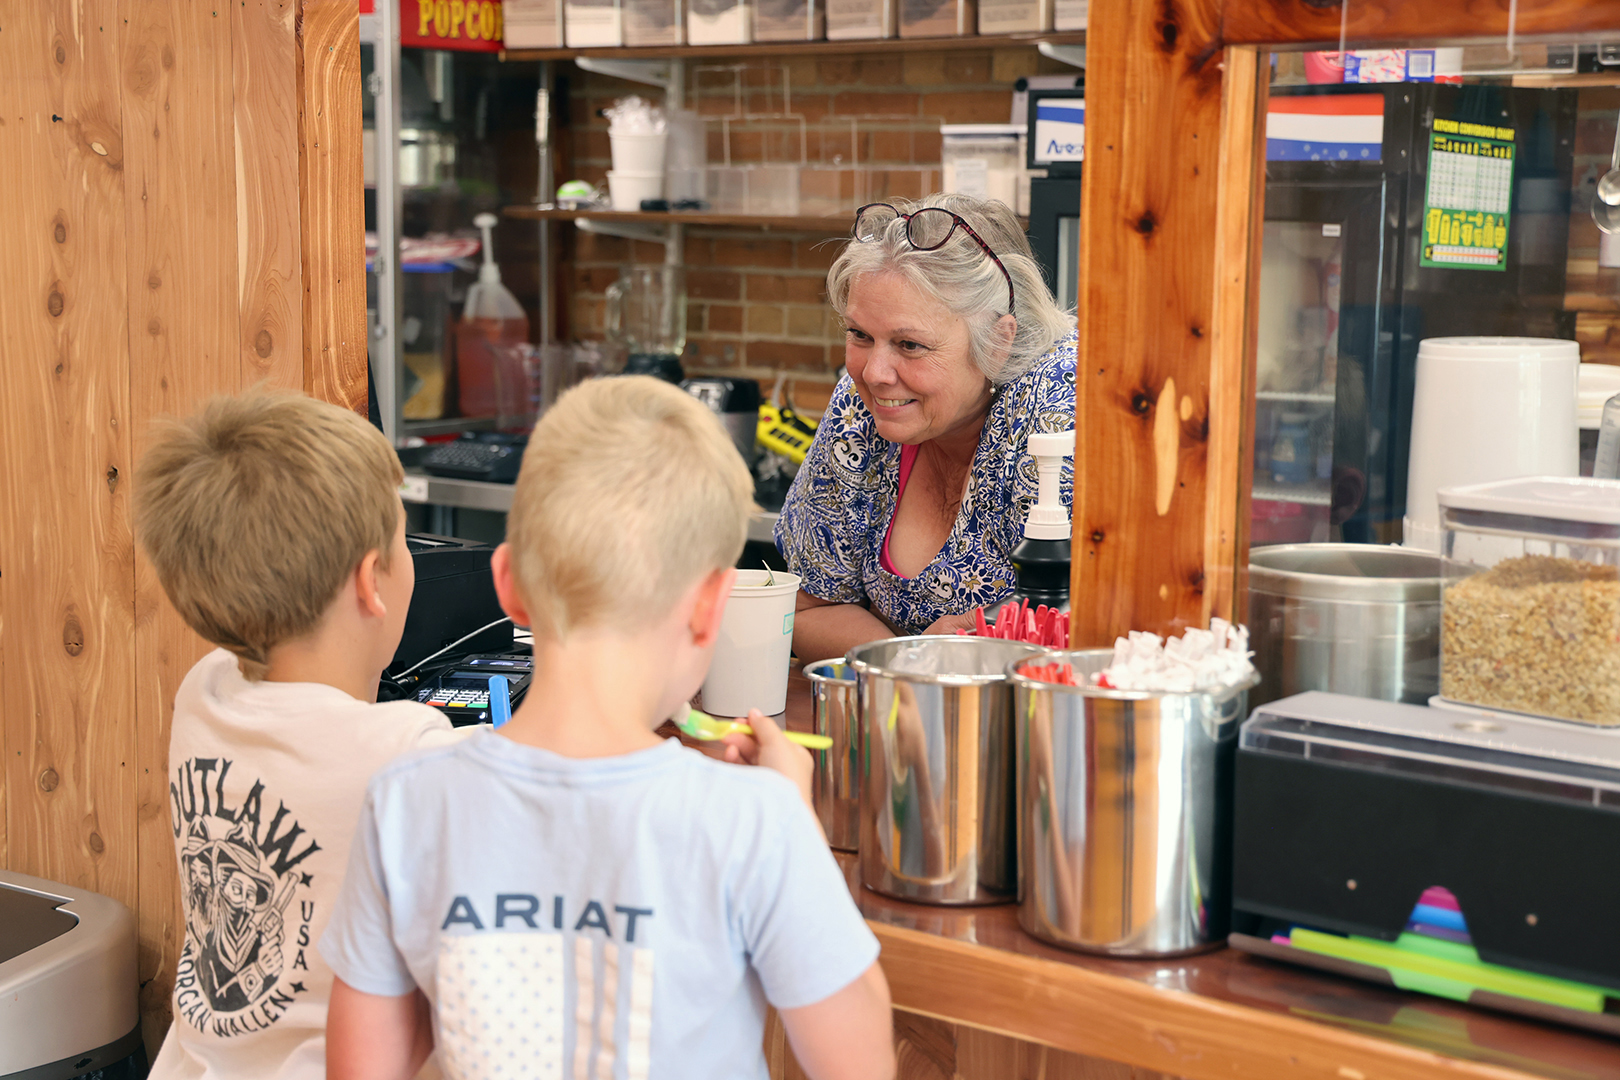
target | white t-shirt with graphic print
[
  {"x": 621, "y": 918},
  {"x": 266, "y": 781}
]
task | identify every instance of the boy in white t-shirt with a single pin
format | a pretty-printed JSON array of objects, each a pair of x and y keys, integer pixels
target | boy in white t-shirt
[
  {"x": 275, "y": 525},
  {"x": 570, "y": 895}
]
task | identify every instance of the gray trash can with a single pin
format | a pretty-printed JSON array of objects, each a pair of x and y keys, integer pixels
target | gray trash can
[{"x": 69, "y": 983}]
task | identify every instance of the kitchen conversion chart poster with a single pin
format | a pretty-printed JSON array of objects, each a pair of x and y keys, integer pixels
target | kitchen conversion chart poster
[{"x": 1465, "y": 209}]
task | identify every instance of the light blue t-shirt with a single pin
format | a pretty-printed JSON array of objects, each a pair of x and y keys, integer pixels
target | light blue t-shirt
[{"x": 624, "y": 917}]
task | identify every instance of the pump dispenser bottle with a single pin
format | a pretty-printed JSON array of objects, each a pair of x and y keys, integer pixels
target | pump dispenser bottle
[
  {"x": 1041, "y": 561},
  {"x": 489, "y": 340}
]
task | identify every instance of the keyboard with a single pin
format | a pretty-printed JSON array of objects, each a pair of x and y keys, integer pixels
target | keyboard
[{"x": 494, "y": 458}]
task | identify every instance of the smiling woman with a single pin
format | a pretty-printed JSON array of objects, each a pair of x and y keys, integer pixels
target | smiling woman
[{"x": 905, "y": 513}]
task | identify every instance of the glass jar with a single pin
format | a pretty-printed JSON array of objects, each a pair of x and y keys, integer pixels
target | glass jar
[{"x": 1530, "y": 609}]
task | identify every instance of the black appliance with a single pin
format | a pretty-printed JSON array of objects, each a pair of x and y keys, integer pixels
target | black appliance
[
  {"x": 1056, "y": 143},
  {"x": 493, "y": 456},
  {"x": 1348, "y": 287},
  {"x": 454, "y": 597}
]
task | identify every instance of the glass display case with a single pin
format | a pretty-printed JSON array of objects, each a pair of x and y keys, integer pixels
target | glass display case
[
  {"x": 1354, "y": 276},
  {"x": 449, "y": 135}
]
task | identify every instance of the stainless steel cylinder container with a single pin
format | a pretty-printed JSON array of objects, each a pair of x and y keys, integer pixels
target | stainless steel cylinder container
[
  {"x": 1124, "y": 812},
  {"x": 1359, "y": 619},
  {"x": 937, "y": 768},
  {"x": 836, "y": 787}
]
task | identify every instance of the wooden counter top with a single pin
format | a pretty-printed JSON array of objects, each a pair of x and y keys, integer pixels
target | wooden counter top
[{"x": 1222, "y": 1014}]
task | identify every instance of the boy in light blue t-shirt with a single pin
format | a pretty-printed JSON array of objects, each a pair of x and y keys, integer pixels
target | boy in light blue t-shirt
[{"x": 572, "y": 896}]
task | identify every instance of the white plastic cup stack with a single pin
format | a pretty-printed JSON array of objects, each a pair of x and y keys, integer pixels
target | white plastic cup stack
[
  {"x": 638, "y": 134},
  {"x": 750, "y": 665},
  {"x": 626, "y": 190}
]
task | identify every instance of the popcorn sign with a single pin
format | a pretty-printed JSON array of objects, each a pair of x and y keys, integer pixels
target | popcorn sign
[{"x": 467, "y": 25}]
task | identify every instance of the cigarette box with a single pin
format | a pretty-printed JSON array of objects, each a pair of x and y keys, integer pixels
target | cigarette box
[
  {"x": 938, "y": 18},
  {"x": 533, "y": 24},
  {"x": 790, "y": 20},
  {"x": 719, "y": 22},
  {"x": 1014, "y": 16},
  {"x": 589, "y": 23},
  {"x": 857, "y": 20},
  {"x": 654, "y": 22}
]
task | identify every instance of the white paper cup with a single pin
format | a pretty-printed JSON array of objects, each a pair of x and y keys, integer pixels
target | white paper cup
[
  {"x": 750, "y": 665},
  {"x": 626, "y": 190},
  {"x": 638, "y": 153}
]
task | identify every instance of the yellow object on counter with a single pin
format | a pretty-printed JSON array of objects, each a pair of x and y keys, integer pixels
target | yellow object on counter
[{"x": 785, "y": 432}]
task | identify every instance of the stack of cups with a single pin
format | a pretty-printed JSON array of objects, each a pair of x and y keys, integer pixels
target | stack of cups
[{"x": 638, "y": 167}]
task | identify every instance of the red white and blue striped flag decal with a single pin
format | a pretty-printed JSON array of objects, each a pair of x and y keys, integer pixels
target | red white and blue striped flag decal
[{"x": 1326, "y": 127}]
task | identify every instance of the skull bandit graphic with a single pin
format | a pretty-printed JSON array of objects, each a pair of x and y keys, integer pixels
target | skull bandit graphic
[{"x": 245, "y": 940}]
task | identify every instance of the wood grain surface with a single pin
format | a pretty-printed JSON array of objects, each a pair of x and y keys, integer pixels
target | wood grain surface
[
  {"x": 927, "y": 1048},
  {"x": 66, "y": 554},
  {"x": 1239, "y": 223},
  {"x": 264, "y": 54},
  {"x": 1144, "y": 502},
  {"x": 332, "y": 215},
  {"x": 1392, "y": 22},
  {"x": 180, "y": 154},
  {"x": 153, "y": 166}
]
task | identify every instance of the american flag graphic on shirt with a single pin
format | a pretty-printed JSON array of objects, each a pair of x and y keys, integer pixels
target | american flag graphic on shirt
[{"x": 502, "y": 1007}]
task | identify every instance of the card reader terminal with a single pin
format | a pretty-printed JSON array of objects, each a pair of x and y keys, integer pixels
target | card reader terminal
[{"x": 462, "y": 693}]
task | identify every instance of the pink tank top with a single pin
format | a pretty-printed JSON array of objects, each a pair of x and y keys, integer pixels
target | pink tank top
[{"x": 908, "y": 458}]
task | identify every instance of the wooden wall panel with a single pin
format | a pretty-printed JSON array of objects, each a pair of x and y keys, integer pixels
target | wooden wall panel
[
  {"x": 153, "y": 171},
  {"x": 1400, "y": 22},
  {"x": 1143, "y": 505},
  {"x": 332, "y": 203},
  {"x": 183, "y": 344},
  {"x": 264, "y": 51},
  {"x": 1239, "y": 224},
  {"x": 66, "y": 554}
]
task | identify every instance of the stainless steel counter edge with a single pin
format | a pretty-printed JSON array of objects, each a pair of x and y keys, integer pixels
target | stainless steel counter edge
[{"x": 419, "y": 487}]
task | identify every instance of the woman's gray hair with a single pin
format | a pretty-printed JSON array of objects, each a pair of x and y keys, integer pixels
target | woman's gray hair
[{"x": 961, "y": 277}]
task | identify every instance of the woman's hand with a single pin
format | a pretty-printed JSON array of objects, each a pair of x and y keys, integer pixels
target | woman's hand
[{"x": 951, "y": 624}]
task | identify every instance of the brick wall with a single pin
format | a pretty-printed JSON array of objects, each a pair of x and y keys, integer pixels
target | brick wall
[{"x": 756, "y": 298}]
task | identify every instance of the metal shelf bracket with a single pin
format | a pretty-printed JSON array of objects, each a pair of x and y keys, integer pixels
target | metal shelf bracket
[
  {"x": 657, "y": 73},
  {"x": 1073, "y": 55},
  {"x": 628, "y": 230}
]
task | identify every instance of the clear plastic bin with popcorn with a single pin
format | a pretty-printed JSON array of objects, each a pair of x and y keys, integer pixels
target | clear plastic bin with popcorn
[{"x": 1530, "y": 609}]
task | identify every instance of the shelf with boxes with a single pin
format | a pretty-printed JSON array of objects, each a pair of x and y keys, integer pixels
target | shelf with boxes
[
  {"x": 809, "y": 48},
  {"x": 790, "y": 138}
]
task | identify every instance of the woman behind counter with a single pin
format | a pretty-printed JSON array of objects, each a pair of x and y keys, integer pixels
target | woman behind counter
[{"x": 905, "y": 513}]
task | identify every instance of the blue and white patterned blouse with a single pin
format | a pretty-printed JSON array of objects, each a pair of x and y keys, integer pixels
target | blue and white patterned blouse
[{"x": 837, "y": 514}]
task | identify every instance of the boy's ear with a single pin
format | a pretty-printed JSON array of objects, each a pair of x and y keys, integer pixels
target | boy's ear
[
  {"x": 500, "y": 565},
  {"x": 710, "y": 607},
  {"x": 365, "y": 586}
]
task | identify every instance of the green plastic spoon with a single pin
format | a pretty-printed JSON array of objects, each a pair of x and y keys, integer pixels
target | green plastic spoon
[{"x": 700, "y": 725}]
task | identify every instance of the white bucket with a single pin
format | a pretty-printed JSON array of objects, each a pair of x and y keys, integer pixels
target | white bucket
[
  {"x": 638, "y": 153},
  {"x": 628, "y": 189},
  {"x": 750, "y": 665}
]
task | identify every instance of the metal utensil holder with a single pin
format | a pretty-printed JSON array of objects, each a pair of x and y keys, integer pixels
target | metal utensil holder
[
  {"x": 1124, "y": 812},
  {"x": 936, "y": 768}
]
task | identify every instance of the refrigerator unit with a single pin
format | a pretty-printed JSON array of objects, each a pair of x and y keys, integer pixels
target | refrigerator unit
[{"x": 1393, "y": 213}]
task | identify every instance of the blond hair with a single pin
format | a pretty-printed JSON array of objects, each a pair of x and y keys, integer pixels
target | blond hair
[
  {"x": 630, "y": 492},
  {"x": 255, "y": 510}
]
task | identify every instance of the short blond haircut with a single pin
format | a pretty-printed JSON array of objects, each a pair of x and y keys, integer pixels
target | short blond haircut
[
  {"x": 631, "y": 491},
  {"x": 255, "y": 510}
]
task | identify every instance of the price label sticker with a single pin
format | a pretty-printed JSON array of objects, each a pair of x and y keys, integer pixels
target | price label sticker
[{"x": 414, "y": 489}]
